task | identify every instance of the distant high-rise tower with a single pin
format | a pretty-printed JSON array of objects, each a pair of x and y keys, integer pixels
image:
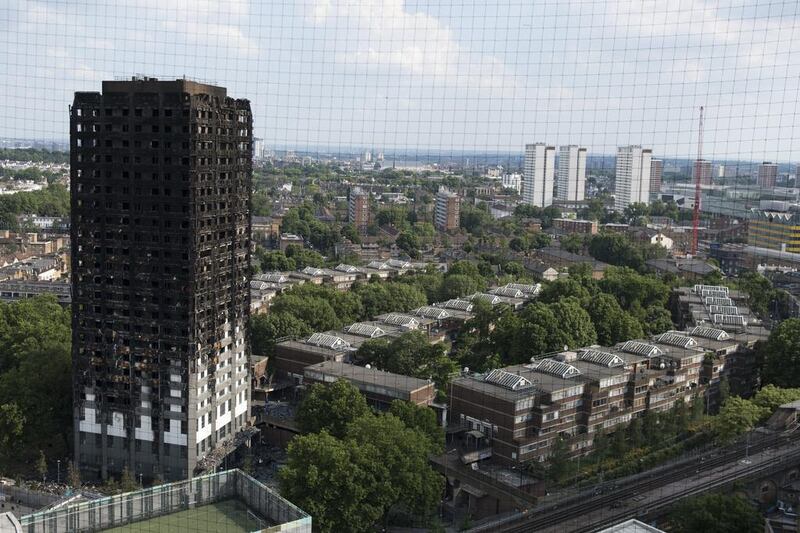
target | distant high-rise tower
[
  {"x": 161, "y": 188},
  {"x": 767, "y": 175},
  {"x": 656, "y": 175},
  {"x": 571, "y": 184},
  {"x": 537, "y": 184},
  {"x": 447, "y": 216},
  {"x": 633, "y": 176},
  {"x": 358, "y": 209},
  {"x": 703, "y": 169}
]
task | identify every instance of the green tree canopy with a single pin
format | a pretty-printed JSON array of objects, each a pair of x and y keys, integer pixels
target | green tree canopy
[
  {"x": 611, "y": 322},
  {"x": 736, "y": 417},
  {"x": 410, "y": 354},
  {"x": 715, "y": 513},
  {"x": 331, "y": 408},
  {"x": 403, "y": 452},
  {"x": 266, "y": 328},
  {"x": 336, "y": 482},
  {"x": 781, "y": 355},
  {"x": 422, "y": 419},
  {"x": 772, "y": 397}
]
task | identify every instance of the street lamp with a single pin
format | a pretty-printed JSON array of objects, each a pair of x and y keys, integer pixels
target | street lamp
[{"x": 58, "y": 471}]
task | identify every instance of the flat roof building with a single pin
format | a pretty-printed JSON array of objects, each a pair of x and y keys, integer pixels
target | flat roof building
[{"x": 379, "y": 387}]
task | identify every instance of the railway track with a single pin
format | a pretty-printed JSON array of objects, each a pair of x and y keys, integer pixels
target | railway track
[{"x": 627, "y": 489}]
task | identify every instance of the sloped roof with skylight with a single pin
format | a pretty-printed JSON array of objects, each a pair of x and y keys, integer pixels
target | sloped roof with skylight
[
  {"x": 428, "y": 311},
  {"x": 343, "y": 267},
  {"x": 710, "y": 333},
  {"x": 729, "y": 320},
  {"x": 640, "y": 348},
  {"x": 457, "y": 304},
  {"x": 490, "y": 298},
  {"x": 526, "y": 288},
  {"x": 598, "y": 357},
  {"x": 378, "y": 265},
  {"x": 700, "y": 289},
  {"x": 272, "y": 277},
  {"x": 554, "y": 368},
  {"x": 311, "y": 271},
  {"x": 401, "y": 320},
  {"x": 508, "y": 292},
  {"x": 323, "y": 340},
  {"x": 675, "y": 339},
  {"x": 365, "y": 330},
  {"x": 710, "y": 300},
  {"x": 723, "y": 309},
  {"x": 507, "y": 380}
]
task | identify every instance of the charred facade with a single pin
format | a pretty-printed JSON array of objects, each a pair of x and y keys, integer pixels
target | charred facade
[{"x": 161, "y": 188}]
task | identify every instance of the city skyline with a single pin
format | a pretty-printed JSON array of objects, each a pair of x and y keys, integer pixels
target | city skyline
[{"x": 414, "y": 76}]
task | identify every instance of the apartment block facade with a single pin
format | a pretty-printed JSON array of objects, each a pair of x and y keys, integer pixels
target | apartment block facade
[
  {"x": 632, "y": 177},
  {"x": 571, "y": 179},
  {"x": 539, "y": 171}
]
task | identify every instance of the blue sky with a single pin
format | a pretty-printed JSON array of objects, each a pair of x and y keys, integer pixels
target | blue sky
[{"x": 433, "y": 74}]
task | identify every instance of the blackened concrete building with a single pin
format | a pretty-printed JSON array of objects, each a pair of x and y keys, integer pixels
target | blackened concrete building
[{"x": 160, "y": 198}]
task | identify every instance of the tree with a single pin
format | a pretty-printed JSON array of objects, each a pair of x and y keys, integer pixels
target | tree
[
  {"x": 11, "y": 423},
  {"x": 274, "y": 261},
  {"x": 404, "y": 453},
  {"x": 736, "y": 417},
  {"x": 304, "y": 258},
  {"x": 573, "y": 243},
  {"x": 385, "y": 297},
  {"x": 715, "y": 513},
  {"x": 336, "y": 482},
  {"x": 422, "y": 419},
  {"x": 127, "y": 483},
  {"x": 555, "y": 290},
  {"x": 331, "y": 408},
  {"x": 317, "y": 313},
  {"x": 558, "y": 463},
  {"x": 409, "y": 243},
  {"x": 759, "y": 291},
  {"x": 611, "y": 322},
  {"x": 457, "y": 285},
  {"x": 266, "y": 329},
  {"x": 632, "y": 290},
  {"x": 73, "y": 476},
  {"x": 410, "y": 354},
  {"x": 772, "y": 397},
  {"x": 657, "y": 319},
  {"x": 575, "y": 321},
  {"x": 781, "y": 355},
  {"x": 41, "y": 465}
]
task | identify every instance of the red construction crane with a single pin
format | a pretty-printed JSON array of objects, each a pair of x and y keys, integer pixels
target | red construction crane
[{"x": 698, "y": 172}]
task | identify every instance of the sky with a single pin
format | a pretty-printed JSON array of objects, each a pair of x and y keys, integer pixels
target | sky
[{"x": 432, "y": 75}]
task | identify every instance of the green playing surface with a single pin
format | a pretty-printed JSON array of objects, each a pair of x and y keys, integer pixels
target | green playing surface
[{"x": 229, "y": 516}]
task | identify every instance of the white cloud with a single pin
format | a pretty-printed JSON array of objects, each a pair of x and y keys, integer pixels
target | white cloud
[{"x": 385, "y": 33}]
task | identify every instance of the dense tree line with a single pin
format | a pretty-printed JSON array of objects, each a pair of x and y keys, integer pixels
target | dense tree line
[
  {"x": 352, "y": 468},
  {"x": 36, "y": 155},
  {"x": 715, "y": 513},
  {"x": 35, "y": 381},
  {"x": 573, "y": 312},
  {"x": 617, "y": 249},
  {"x": 781, "y": 355},
  {"x": 50, "y": 201},
  {"x": 308, "y": 308},
  {"x": 295, "y": 258}
]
